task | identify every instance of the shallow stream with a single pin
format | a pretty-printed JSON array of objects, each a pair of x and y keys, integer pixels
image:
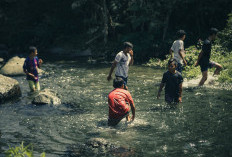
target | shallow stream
[{"x": 200, "y": 126}]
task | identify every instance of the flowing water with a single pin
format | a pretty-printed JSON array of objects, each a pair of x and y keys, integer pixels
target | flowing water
[{"x": 200, "y": 126}]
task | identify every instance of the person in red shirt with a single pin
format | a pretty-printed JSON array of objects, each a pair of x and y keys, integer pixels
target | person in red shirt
[{"x": 120, "y": 102}]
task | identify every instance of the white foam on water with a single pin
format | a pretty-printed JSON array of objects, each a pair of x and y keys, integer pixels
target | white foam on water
[{"x": 210, "y": 82}]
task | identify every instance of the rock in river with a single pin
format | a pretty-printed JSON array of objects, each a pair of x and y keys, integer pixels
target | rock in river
[
  {"x": 9, "y": 88},
  {"x": 100, "y": 147},
  {"x": 46, "y": 96},
  {"x": 14, "y": 67}
]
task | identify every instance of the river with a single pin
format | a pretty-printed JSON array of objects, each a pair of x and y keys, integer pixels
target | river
[{"x": 200, "y": 126}]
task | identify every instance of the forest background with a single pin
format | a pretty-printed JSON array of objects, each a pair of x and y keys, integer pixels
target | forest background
[{"x": 100, "y": 26}]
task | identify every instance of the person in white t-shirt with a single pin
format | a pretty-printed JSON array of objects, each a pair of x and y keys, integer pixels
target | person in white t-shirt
[
  {"x": 178, "y": 50},
  {"x": 122, "y": 62}
]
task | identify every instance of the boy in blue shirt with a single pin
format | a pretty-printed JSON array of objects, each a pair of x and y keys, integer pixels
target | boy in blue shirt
[
  {"x": 30, "y": 67},
  {"x": 172, "y": 80}
]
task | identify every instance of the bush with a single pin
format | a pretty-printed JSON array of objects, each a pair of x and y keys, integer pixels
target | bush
[{"x": 21, "y": 151}]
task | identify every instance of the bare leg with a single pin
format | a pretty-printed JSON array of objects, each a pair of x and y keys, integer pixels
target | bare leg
[
  {"x": 218, "y": 69},
  {"x": 128, "y": 118},
  {"x": 204, "y": 77}
]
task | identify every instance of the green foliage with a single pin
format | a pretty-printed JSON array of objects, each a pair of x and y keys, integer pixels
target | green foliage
[
  {"x": 217, "y": 54},
  {"x": 150, "y": 25},
  {"x": 225, "y": 36},
  {"x": 21, "y": 151}
]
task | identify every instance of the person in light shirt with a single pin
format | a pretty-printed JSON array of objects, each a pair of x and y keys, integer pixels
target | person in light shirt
[
  {"x": 178, "y": 50},
  {"x": 122, "y": 62}
]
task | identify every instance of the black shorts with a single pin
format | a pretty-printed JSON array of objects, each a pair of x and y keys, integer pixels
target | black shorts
[
  {"x": 114, "y": 122},
  {"x": 171, "y": 100},
  {"x": 205, "y": 67}
]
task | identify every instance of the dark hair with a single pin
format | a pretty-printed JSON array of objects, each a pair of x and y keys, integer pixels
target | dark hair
[
  {"x": 213, "y": 31},
  {"x": 32, "y": 49},
  {"x": 127, "y": 44},
  {"x": 118, "y": 82},
  {"x": 172, "y": 61},
  {"x": 180, "y": 33}
]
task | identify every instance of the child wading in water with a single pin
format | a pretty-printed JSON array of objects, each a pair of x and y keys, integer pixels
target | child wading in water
[
  {"x": 30, "y": 67},
  {"x": 178, "y": 50},
  {"x": 172, "y": 80}
]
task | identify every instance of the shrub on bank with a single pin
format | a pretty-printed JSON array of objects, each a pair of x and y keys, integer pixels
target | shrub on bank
[
  {"x": 21, "y": 151},
  {"x": 218, "y": 55}
]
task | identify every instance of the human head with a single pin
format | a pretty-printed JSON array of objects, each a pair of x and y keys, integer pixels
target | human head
[
  {"x": 181, "y": 34},
  {"x": 172, "y": 64},
  {"x": 127, "y": 46},
  {"x": 213, "y": 33},
  {"x": 33, "y": 51},
  {"x": 118, "y": 83}
]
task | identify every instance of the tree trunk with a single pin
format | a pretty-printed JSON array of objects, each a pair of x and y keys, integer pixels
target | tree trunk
[{"x": 105, "y": 21}]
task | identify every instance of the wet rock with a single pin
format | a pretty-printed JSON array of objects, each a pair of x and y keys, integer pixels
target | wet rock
[
  {"x": 14, "y": 67},
  {"x": 46, "y": 96},
  {"x": 9, "y": 88},
  {"x": 100, "y": 147}
]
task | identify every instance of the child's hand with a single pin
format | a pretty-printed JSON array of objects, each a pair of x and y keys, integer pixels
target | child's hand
[
  {"x": 40, "y": 61},
  {"x": 158, "y": 95},
  {"x": 131, "y": 52},
  {"x": 109, "y": 78},
  {"x": 180, "y": 99}
]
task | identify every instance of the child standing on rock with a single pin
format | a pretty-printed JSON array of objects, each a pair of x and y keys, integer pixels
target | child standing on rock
[{"x": 30, "y": 67}]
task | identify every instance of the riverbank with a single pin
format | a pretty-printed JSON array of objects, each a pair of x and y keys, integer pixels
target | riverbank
[{"x": 218, "y": 55}]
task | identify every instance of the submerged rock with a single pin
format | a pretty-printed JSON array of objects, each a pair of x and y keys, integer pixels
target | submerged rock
[
  {"x": 9, "y": 88},
  {"x": 46, "y": 96},
  {"x": 100, "y": 147},
  {"x": 14, "y": 67}
]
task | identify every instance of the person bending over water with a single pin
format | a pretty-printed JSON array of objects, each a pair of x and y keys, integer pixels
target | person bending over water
[
  {"x": 172, "y": 80},
  {"x": 120, "y": 103}
]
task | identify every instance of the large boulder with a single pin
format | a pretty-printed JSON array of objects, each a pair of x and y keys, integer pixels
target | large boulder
[
  {"x": 9, "y": 88},
  {"x": 14, "y": 67},
  {"x": 46, "y": 96}
]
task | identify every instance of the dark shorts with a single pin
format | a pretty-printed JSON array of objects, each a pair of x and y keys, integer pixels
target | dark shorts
[
  {"x": 171, "y": 100},
  {"x": 179, "y": 67},
  {"x": 124, "y": 79},
  {"x": 114, "y": 122},
  {"x": 205, "y": 67}
]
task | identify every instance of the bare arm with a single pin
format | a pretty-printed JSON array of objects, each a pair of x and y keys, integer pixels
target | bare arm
[
  {"x": 160, "y": 89},
  {"x": 180, "y": 92},
  {"x": 133, "y": 110},
  {"x": 171, "y": 53},
  {"x": 199, "y": 57},
  {"x": 185, "y": 63},
  {"x": 111, "y": 70},
  {"x": 132, "y": 58}
]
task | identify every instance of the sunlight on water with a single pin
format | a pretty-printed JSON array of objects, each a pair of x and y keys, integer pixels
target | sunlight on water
[{"x": 200, "y": 126}]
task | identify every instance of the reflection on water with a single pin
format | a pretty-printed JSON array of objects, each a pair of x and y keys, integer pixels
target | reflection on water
[{"x": 200, "y": 126}]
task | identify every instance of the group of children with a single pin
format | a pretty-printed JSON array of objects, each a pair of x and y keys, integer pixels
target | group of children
[{"x": 119, "y": 100}]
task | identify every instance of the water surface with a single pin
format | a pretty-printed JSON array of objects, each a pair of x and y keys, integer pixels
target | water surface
[{"x": 200, "y": 126}]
